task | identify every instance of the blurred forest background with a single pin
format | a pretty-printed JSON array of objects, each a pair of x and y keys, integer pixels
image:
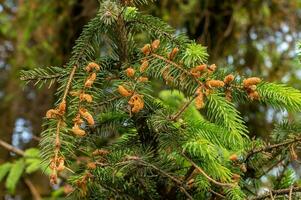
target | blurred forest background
[{"x": 256, "y": 37}]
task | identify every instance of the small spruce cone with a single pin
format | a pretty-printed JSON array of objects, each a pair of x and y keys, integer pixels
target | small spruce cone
[
  {"x": 199, "y": 90},
  {"x": 212, "y": 68},
  {"x": 155, "y": 45},
  {"x": 233, "y": 157},
  {"x": 68, "y": 189},
  {"x": 75, "y": 93},
  {"x": 78, "y": 131},
  {"x": 53, "y": 178},
  {"x": 137, "y": 103},
  {"x": 127, "y": 2},
  {"x": 253, "y": 95},
  {"x": 144, "y": 66},
  {"x": 252, "y": 88},
  {"x": 86, "y": 97},
  {"x": 199, "y": 101},
  {"x": 228, "y": 79},
  {"x": 52, "y": 165},
  {"x": 52, "y": 114},
  {"x": 91, "y": 165},
  {"x": 236, "y": 177},
  {"x": 130, "y": 72},
  {"x": 78, "y": 120},
  {"x": 228, "y": 95},
  {"x": 62, "y": 107},
  {"x": 87, "y": 116},
  {"x": 123, "y": 91},
  {"x": 195, "y": 73},
  {"x": 173, "y": 53},
  {"x": 91, "y": 66},
  {"x": 131, "y": 158},
  {"x": 82, "y": 184},
  {"x": 90, "y": 80},
  {"x": 215, "y": 83},
  {"x": 243, "y": 168},
  {"x": 146, "y": 49},
  {"x": 61, "y": 165},
  {"x": 100, "y": 152},
  {"x": 142, "y": 79},
  {"x": 200, "y": 68},
  {"x": 251, "y": 81},
  {"x": 207, "y": 92}
]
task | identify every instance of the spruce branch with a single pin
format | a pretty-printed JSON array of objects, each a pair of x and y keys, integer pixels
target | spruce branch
[
  {"x": 201, "y": 171},
  {"x": 184, "y": 107},
  {"x": 270, "y": 168},
  {"x": 108, "y": 100},
  {"x": 78, "y": 54},
  {"x": 178, "y": 66},
  {"x": 42, "y": 75},
  {"x": 156, "y": 27},
  {"x": 122, "y": 40},
  {"x": 71, "y": 76},
  {"x": 11, "y": 148},
  {"x": 148, "y": 128},
  {"x": 271, "y": 147},
  {"x": 280, "y": 96},
  {"x": 286, "y": 191},
  {"x": 41, "y": 78},
  {"x": 57, "y": 144},
  {"x": 217, "y": 194},
  {"x": 35, "y": 193},
  {"x": 179, "y": 183}
]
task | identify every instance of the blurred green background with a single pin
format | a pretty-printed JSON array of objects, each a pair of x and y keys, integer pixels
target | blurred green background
[{"x": 254, "y": 37}]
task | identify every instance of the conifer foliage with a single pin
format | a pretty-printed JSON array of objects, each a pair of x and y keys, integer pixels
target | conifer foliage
[{"x": 116, "y": 137}]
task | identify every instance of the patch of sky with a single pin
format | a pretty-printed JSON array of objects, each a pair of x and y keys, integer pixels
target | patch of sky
[
  {"x": 267, "y": 61},
  {"x": 286, "y": 78},
  {"x": 253, "y": 35},
  {"x": 298, "y": 73},
  {"x": 230, "y": 60},
  {"x": 22, "y": 132}
]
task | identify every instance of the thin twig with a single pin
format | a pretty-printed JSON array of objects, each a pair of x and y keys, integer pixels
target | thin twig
[
  {"x": 270, "y": 168},
  {"x": 32, "y": 78},
  {"x": 270, "y": 147},
  {"x": 206, "y": 175},
  {"x": 184, "y": 107},
  {"x": 271, "y": 195},
  {"x": 277, "y": 192},
  {"x": 174, "y": 179},
  {"x": 69, "y": 82},
  {"x": 11, "y": 148},
  {"x": 155, "y": 30},
  {"x": 108, "y": 101},
  {"x": 290, "y": 193},
  {"x": 175, "y": 65},
  {"x": 217, "y": 194},
  {"x": 36, "y": 138},
  {"x": 35, "y": 193},
  {"x": 189, "y": 172},
  {"x": 57, "y": 144}
]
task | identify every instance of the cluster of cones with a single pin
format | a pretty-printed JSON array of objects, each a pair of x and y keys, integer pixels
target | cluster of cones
[
  {"x": 136, "y": 101},
  {"x": 83, "y": 113},
  {"x": 249, "y": 85}
]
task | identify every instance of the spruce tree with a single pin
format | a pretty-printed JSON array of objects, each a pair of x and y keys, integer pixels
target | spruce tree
[{"x": 155, "y": 120}]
